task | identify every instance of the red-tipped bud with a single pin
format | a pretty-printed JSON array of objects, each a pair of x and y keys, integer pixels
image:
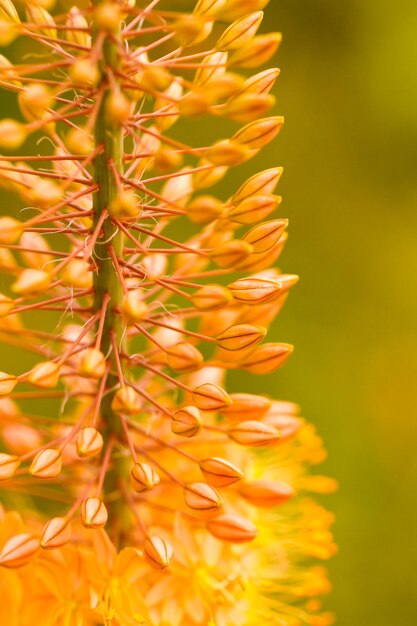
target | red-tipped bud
[
  {"x": 186, "y": 422},
  {"x": 220, "y": 472},
  {"x": 232, "y": 528},
  {"x": 18, "y": 550},
  {"x": 56, "y": 533},
  {"x": 241, "y": 337},
  {"x": 89, "y": 442},
  {"x": 158, "y": 552},
  {"x": 143, "y": 477},
  {"x": 266, "y": 493},
  {"x": 93, "y": 513},
  {"x": 209, "y": 397},
  {"x": 184, "y": 357},
  {"x": 8, "y": 465},
  {"x": 202, "y": 497},
  {"x": 47, "y": 463},
  {"x": 247, "y": 406},
  {"x": 127, "y": 401},
  {"x": 251, "y": 433}
]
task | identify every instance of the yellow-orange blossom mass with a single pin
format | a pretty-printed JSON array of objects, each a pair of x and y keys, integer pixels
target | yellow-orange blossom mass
[{"x": 136, "y": 488}]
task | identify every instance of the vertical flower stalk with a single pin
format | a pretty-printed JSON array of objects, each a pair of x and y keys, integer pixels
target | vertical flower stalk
[{"x": 149, "y": 491}]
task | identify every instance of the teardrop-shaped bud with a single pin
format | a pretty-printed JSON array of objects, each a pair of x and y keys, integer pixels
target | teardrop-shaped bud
[
  {"x": 158, "y": 551},
  {"x": 93, "y": 513},
  {"x": 204, "y": 209},
  {"x": 211, "y": 297},
  {"x": 210, "y": 397},
  {"x": 56, "y": 533},
  {"x": 77, "y": 273},
  {"x": 247, "y": 406},
  {"x": 251, "y": 433},
  {"x": 184, "y": 357},
  {"x": 10, "y": 229},
  {"x": 47, "y": 463},
  {"x": 31, "y": 281},
  {"x": 7, "y": 383},
  {"x": 241, "y": 337},
  {"x": 133, "y": 308},
  {"x": 231, "y": 253},
  {"x": 8, "y": 465},
  {"x": 257, "y": 52},
  {"x": 126, "y": 400},
  {"x": 18, "y": 550},
  {"x": 267, "y": 358},
  {"x": 255, "y": 290},
  {"x": 232, "y": 528},
  {"x": 45, "y": 374},
  {"x": 186, "y": 422},
  {"x": 263, "y": 183},
  {"x": 233, "y": 9},
  {"x": 266, "y": 493},
  {"x": 259, "y": 133},
  {"x": 240, "y": 32},
  {"x": 208, "y": 8},
  {"x": 202, "y": 497},
  {"x": 143, "y": 477},
  {"x": 288, "y": 425},
  {"x": 228, "y": 152},
  {"x": 264, "y": 236},
  {"x": 89, "y": 442},
  {"x": 220, "y": 472},
  {"x": 126, "y": 204},
  {"x": 92, "y": 363},
  {"x": 262, "y": 82},
  {"x": 13, "y": 134}
]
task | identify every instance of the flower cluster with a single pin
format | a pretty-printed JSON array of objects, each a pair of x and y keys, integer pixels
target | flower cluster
[{"x": 147, "y": 493}]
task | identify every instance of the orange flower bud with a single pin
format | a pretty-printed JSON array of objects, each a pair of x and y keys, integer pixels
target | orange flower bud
[
  {"x": 264, "y": 236},
  {"x": 202, "y": 497},
  {"x": 56, "y": 533},
  {"x": 18, "y": 550},
  {"x": 241, "y": 337},
  {"x": 247, "y": 406},
  {"x": 158, "y": 551},
  {"x": 12, "y": 134},
  {"x": 93, "y": 513},
  {"x": 287, "y": 425},
  {"x": 126, "y": 400},
  {"x": 92, "y": 363},
  {"x": 240, "y": 32},
  {"x": 6, "y": 305},
  {"x": 208, "y": 8},
  {"x": 262, "y": 82},
  {"x": 211, "y": 298},
  {"x": 251, "y": 433},
  {"x": 232, "y": 528},
  {"x": 248, "y": 107},
  {"x": 89, "y": 442},
  {"x": 209, "y": 397},
  {"x": 184, "y": 357},
  {"x": 204, "y": 209},
  {"x": 220, "y": 472},
  {"x": 126, "y": 204},
  {"x": 256, "y": 52},
  {"x": 143, "y": 477},
  {"x": 8, "y": 465},
  {"x": 266, "y": 493},
  {"x": 233, "y": 9},
  {"x": 194, "y": 103},
  {"x": 77, "y": 274},
  {"x": 7, "y": 383},
  {"x": 258, "y": 290},
  {"x": 167, "y": 160},
  {"x": 263, "y": 183},
  {"x": 107, "y": 15},
  {"x": 231, "y": 253},
  {"x": 31, "y": 281},
  {"x": 133, "y": 309},
  {"x": 228, "y": 152},
  {"x": 47, "y": 463},
  {"x": 44, "y": 374},
  {"x": 10, "y": 229},
  {"x": 267, "y": 358},
  {"x": 186, "y": 422},
  {"x": 34, "y": 101},
  {"x": 85, "y": 71},
  {"x": 259, "y": 133}
]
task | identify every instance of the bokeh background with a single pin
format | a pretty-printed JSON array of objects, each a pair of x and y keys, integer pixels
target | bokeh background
[{"x": 348, "y": 90}]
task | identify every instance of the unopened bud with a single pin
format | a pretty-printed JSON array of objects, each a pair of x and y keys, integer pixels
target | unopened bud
[
  {"x": 258, "y": 134},
  {"x": 167, "y": 160},
  {"x": 77, "y": 28},
  {"x": 267, "y": 358},
  {"x": 184, "y": 357},
  {"x": 211, "y": 297},
  {"x": 92, "y": 363},
  {"x": 45, "y": 374},
  {"x": 34, "y": 101},
  {"x": 6, "y": 305},
  {"x": 262, "y": 183},
  {"x": 125, "y": 205},
  {"x": 8, "y": 12},
  {"x": 287, "y": 425},
  {"x": 107, "y": 16},
  {"x": 154, "y": 78},
  {"x": 266, "y": 493},
  {"x": 240, "y": 32},
  {"x": 232, "y": 528},
  {"x": 143, "y": 477},
  {"x": 79, "y": 141},
  {"x": 228, "y": 152},
  {"x": 259, "y": 290},
  {"x": 247, "y": 406},
  {"x": 231, "y": 253},
  {"x": 85, "y": 72},
  {"x": 77, "y": 273},
  {"x": 264, "y": 236},
  {"x": 262, "y": 82},
  {"x": 191, "y": 30},
  {"x": 220, "y": 472},
  {"x": 257, "y": 52},
  {"x": 8, "y": 465},
  {"x": 126, "y": 401},
  {"x": 133, "y": 308},
  {"x": 208, "y": 8},
  {"x": 89, "y": 442},
  {"x": 12, "y": 134},
  {"x": 56, "y": 533},
  {"x": 158, "y": 552},
  {"x": 7, "y": 383},
  {"x": 118, "y": 108},
  {"x": 202, "y": 497},
  {"x": 253, "y": 209},
  {"x": 251, "y": 433},
  {"x": 47, "y": 463},
  {"x": 18, "y": 550},
  {"x": 194, "y": 103},
  {"x": 248, "y": 107},
  {"x": 186, "y": 422},
  {"x": 31, "y": 281},
  {"x": 93, "y": 513},
  {"x": 204, "y": 209},
  {"x": 10, "y": 229},
  {"x": 241, "y": 337},
  {"x": 210, "y": 397},
  {"x": 234, "y": 9}
]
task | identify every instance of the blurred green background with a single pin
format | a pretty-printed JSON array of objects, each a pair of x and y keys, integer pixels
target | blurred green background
[{"x": 348, "y": 89}]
